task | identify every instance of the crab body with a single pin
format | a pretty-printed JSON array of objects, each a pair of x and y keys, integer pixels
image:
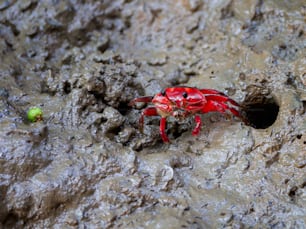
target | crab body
[{"x": 181, "y": 102}]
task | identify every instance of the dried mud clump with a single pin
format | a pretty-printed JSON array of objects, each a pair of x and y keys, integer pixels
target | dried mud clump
[{"x": 86, "y": 164}]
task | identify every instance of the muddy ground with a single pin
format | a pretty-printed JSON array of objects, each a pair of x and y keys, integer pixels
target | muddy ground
[{"x": 86, "y": 165}]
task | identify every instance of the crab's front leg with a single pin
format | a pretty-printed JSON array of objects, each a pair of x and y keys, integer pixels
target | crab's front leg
[
  {"x": 162, "y": 128},
  {"x": 144, "y": 99},
  {"x": 149, "y": 111},
  {"x": 197, "y": 128},
  {"x": 152, "y": 111}
]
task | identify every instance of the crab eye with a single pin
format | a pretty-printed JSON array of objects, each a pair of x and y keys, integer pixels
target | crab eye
[
  {"x": 163, "y": 92},
  {"x": 185, "y": 95}
]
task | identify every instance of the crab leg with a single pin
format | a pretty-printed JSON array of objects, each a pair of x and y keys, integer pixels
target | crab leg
[
  {"x": 162, "y": 128},
  {"x": 220, "y": 103},
  {"x": 145, "y": 99},
  {"x": 149, "y": 111},
  {"x": 197, "y": 128},
  {"x": 211, "y": 92}
]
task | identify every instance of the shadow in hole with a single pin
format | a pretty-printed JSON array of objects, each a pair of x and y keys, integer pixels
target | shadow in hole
[{"x": 261, "y": 115}]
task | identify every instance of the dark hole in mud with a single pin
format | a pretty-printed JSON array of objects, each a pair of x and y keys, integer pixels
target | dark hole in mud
[
  {"x": 299, "y": 136},
  {"x": 10, "y": 220},
  {"x": 176, "y": 129},
  {"x": 176, "y": 133},
  {"x": 123, "y": 108},
  {"x": 261, "y": 112},
  {"x": 67, "y": 87},
  {"x": 111, "y": 133},
  {"x": 292, "y": 191}
]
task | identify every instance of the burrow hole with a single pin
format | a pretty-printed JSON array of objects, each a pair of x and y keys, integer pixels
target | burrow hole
[{"x": 260, "y": 110}]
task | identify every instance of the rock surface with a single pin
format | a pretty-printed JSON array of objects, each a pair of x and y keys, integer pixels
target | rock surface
[{"x": 86, "y": 165}]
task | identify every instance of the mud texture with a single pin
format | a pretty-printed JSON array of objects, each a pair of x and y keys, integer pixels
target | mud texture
[{"x": 86, "y": 165}]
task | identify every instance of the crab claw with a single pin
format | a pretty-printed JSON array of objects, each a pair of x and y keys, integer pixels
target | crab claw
[{"x": 145, "y": 99}]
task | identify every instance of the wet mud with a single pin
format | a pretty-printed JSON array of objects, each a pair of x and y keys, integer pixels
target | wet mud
[{"x": 87, "y": 165}]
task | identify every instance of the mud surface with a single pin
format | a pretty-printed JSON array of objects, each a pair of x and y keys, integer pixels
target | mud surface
[{"x": 88, "y": 166}]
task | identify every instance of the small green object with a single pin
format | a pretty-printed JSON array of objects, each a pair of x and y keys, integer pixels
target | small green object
[{"x": 35, "y": 114}]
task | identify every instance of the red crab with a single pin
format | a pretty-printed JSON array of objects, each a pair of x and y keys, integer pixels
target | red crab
[{"x": 181, "y": 102}]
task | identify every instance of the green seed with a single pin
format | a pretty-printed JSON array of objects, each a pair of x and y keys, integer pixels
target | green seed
[{"x": 35, "y": 114}]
